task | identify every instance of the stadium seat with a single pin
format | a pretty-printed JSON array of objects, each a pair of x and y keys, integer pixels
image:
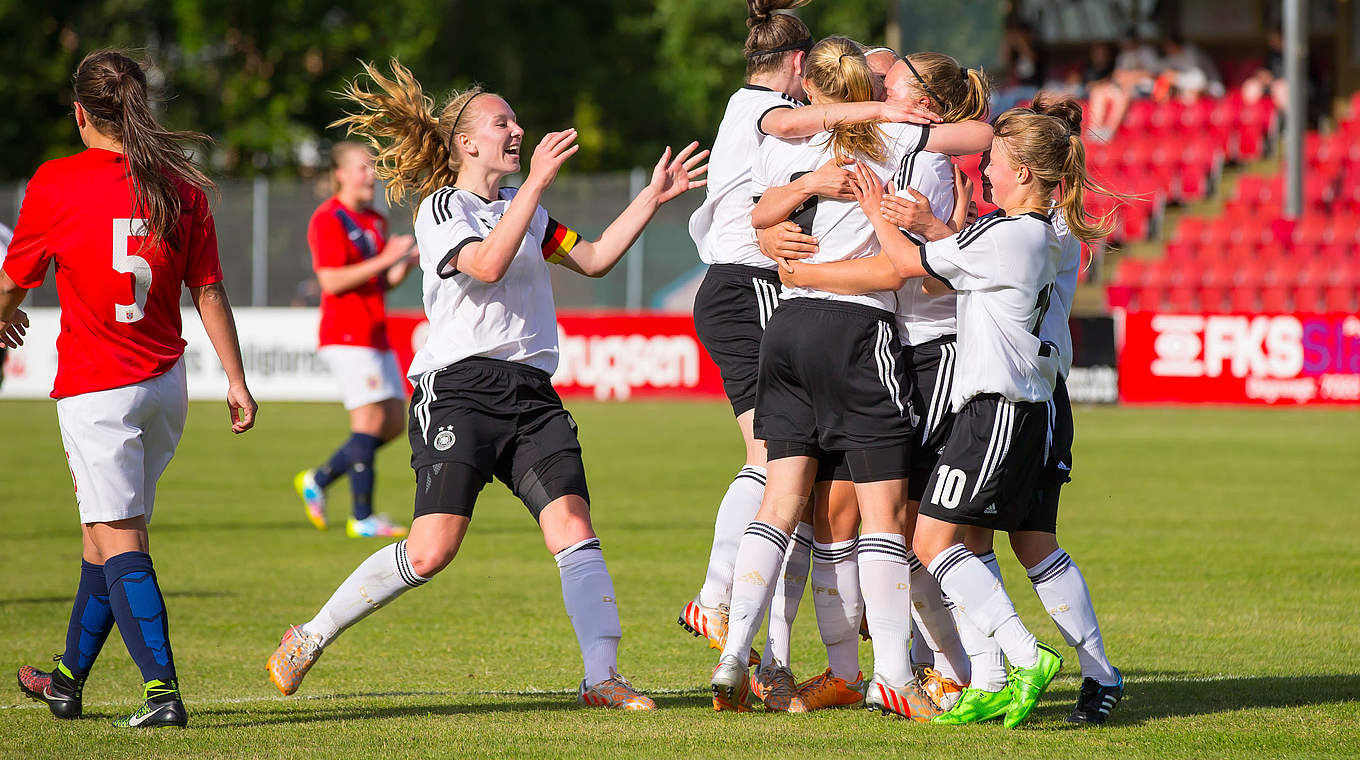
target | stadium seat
[
  {"x": 1308, "y": 298},
  {"x": 1182, "y": 298},
  {"x": 1243, "y": 299},
  {"x": 1213, "y": 298},
  {"x": 1275, "y": 299},
  {"x": 1340, "y": 298}
]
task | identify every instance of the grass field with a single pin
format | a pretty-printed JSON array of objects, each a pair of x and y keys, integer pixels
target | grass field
[{"x": 1222, "y": 547}]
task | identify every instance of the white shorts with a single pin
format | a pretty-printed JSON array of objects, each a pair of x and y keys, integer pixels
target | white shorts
[
  {"x": 366, "y": 375},
  {"x": 119, "y": 441}
]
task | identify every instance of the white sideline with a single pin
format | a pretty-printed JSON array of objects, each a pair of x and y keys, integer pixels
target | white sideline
[{"x": 542, "y": 692}]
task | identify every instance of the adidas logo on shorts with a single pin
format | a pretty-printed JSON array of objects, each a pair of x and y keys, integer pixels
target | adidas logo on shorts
[{"x": 990, "y": 510}]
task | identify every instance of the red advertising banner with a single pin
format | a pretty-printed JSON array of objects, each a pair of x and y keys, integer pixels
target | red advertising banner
[
  {"x": 1284, "y": 359},
  {"x": 608, "y": 355}
]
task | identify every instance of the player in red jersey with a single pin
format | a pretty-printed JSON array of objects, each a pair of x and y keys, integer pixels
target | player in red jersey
[
  {"x": 127, "y": 223},
  {"x": 355, "y": 264}
]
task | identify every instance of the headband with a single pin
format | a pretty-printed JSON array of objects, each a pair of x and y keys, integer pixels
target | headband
[
  {"x": 941, "y": 101},
  {"x": 804, "y": 45},
  {"x": 454, "y": 126}
]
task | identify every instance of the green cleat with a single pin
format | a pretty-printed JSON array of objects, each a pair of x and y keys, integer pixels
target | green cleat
[
  {"x": 1030, "y": 683},
  {"x": 976, "y": 706},
  {"x": 162, "y": 706}
]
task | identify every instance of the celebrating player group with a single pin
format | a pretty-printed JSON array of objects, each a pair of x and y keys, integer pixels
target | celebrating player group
[{"x": 895, "y": 365}]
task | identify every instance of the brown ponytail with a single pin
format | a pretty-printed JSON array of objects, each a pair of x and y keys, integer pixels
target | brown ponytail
[
  {"x": 1047, "y": 144},
  {"x": 111, "y": 88},
  {"x": 956, "y": 93},
  {"x": 837, "y": 69},
  {"x": 781, "y": 33},
  {"x": 415, "y": 153}
]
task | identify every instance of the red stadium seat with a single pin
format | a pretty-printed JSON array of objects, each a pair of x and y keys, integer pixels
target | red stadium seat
[
  {"x": 1243, "y": 298},
  {"x": 1341, "y": 298},
  {"x": 1308, "y": 299},
  {"x": 1213, "y": 298},
  {"x": 1130, "y": 271},
  {"x": 1275, "y": 299},
  {"x": 1182, "y": 298}
]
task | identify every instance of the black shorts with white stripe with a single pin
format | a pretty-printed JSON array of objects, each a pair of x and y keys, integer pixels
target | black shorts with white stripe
[
  {"x": 730, "y": 311},
  {"x": 1058, "y": 469},
  {"x": 830, "y": 380},
  {"x": 500, "y": 419},
  {"x": 989, "y": 472},
  {"x": 931, "y": 366}
]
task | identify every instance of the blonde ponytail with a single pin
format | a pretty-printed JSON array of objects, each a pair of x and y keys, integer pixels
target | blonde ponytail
[
  {"x": 415, "y": 153},
  {"x": 837, "y": 69},
  {"x": 956, "y": 93}
]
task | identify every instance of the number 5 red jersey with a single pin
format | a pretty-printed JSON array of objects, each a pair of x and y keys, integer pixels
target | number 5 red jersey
[{"x": 119, "y": 294}]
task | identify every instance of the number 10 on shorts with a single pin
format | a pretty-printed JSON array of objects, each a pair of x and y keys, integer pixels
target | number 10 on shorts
[{"x": 948, "y": 486}]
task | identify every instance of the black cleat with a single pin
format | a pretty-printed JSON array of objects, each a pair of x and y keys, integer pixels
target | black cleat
[
  {"x": 58, "y": 690},
  {"x": 1096, "y": 701},
  {"x": 163, "y": 707}
]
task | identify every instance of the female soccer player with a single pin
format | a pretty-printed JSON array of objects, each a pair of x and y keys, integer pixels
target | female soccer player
[
  {"x": 805, "y": 407},
  {"x": 484, "y": 405},
  {"x": 1004, "y": 268},
  {"x": 127, "y": 223},
  {"x": 740, "y": 291},
  {"x": 355, "y": 264}
]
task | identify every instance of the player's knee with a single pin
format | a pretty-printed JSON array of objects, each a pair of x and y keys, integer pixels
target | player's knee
[{"x": 428, "y": 559}]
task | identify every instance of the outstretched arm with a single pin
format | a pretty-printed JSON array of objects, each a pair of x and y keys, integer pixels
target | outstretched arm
[
  {"x": 670, "y": 178},
  {"x": 960, "y": 138},
  {"x": 903, "y": 253},
  {"x": 849, "y": 278},
  {"x": 218, "y": 322},
  {"x": 788, "y": 123},
  {"x": 337, "y": 280}
]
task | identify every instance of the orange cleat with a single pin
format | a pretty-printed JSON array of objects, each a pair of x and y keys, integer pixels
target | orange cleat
[
  {"x": 825, "y": 691},
  {"x": 710, "y": 623},
  {"x": 908, "y": 701},
  {"x": 944, "y": 692},
  {"x": 296, "y": 655},
  {"x": 775, "y": 686},
  {"x": 731, "y": 686},
  {"x": 616, "y": 692}
]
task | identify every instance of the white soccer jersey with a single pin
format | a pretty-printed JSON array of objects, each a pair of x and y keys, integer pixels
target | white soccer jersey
[
  {"x": 1003, "y": 268},
  {"x": 840, "y": 226},
  {"x": 1057, "y": 328},
  {"x": 512, "y": 320},
  {"x": 923, "y": 317},
  {"x": 721, "y": 227}
]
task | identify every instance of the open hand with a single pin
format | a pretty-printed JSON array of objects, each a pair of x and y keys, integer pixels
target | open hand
[
  {"x": 786, "y": 243},
  {"x": 552, "y": 152},
  {"x": 912, "y": 213},
  {"x": 671, "y": 177},
  {"x": 831, "y": 180},
  {"x": 869, "y": 191},
  {"x": 12, "y": 332},
  {"x": 909, "y": 113}
]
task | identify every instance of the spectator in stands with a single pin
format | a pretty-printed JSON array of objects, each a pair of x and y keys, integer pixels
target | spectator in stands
[
  {"x": 1132, "y": 76},
  {"x": 1025, "y": 60},
  {"x": 1187, "y": 71},
  {"x": 1099, "y": 68},
  {"x": 1269, "y": 79}
]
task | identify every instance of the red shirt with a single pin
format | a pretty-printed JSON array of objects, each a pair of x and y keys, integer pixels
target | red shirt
[
  {"x": 339, "y": 237},
  {"x": 119, "y": 294}
]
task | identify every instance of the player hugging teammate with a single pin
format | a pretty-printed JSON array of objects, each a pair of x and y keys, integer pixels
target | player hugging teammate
[{"x": 919, "y": 357}]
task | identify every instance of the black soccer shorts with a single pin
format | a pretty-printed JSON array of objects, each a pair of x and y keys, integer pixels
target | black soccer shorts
[{"x": 730, "y": 311}]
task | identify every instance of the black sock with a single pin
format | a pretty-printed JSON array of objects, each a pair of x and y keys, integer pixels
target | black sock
[
  {"x": 91, "y": 621},
  {"x": 364, "y": 449},
  {"x": 139, "y": 609}
]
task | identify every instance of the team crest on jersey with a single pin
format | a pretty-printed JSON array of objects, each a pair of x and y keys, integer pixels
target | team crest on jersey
[
  {"x": 444, "y": 439},
  {"x": 488, "y": 219}
]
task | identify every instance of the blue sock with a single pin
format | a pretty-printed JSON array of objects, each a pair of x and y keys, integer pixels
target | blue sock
[
  {"x": 139, "y": 609},
  {"x": 91, "y": 621},
  {"x": 353, "y": 450},
  {"x": 361, "y": 474}
]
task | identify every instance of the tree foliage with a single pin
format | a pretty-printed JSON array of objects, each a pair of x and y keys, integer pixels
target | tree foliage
[{"x": 260, "y": 77}]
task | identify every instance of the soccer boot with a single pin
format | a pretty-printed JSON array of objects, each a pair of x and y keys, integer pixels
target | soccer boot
[
  {"x": 944, "y": 692},
  {"x": 711, "y": 623},
  {"x": 614, "y": 692},
  {"x": 297, "y": 653},
  {"x": 313, "y": 497},
  {"x": 976, "y": 706},
  {"x": 162, "y": 706},
  {"x": 824, "y": 691},
  {"x": 908, "y": 701},
  {"x": 374, "y": 526},
  {"x": 731, "y": 684},
  {"x": 1096, "y": 701},
  {"x": 1028, "y": 684},
  {"x": 59, "y": 689},
  {"x": 775, "y": 686},
  {"x": 864, "y": 629}
]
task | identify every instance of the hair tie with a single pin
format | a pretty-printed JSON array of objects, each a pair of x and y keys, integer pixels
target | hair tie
[
  {"x": 454, "y": 126},
  {"x": 804, "y": 45},
  {"x": 944, "y": 105}
]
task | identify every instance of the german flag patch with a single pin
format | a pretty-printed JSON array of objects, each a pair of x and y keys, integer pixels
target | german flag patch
[{"x": 558, "y": 241}]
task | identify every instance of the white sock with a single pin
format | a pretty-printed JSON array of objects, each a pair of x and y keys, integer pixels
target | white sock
[
  {"x": 885, "y": 579},
  {"x": 986, "y": 662},
  {"x": 935, "y": 626},
  {"x": 1063, "y": 591},
  {"x": 983, "y": 599},
  {"x": 921, "y": 653},
  {"x": 384, "y": 576},
  {"x": 788, "y": 593},
  {"x": 737, "y": 510},
  {"x": 588, "y": 594},
  {"x": 757, "y": 568},
  {"x": 839, "y": 603}
]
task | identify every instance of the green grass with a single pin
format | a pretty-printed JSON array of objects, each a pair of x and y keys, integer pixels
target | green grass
[{"x": 1220, "y": 545}]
